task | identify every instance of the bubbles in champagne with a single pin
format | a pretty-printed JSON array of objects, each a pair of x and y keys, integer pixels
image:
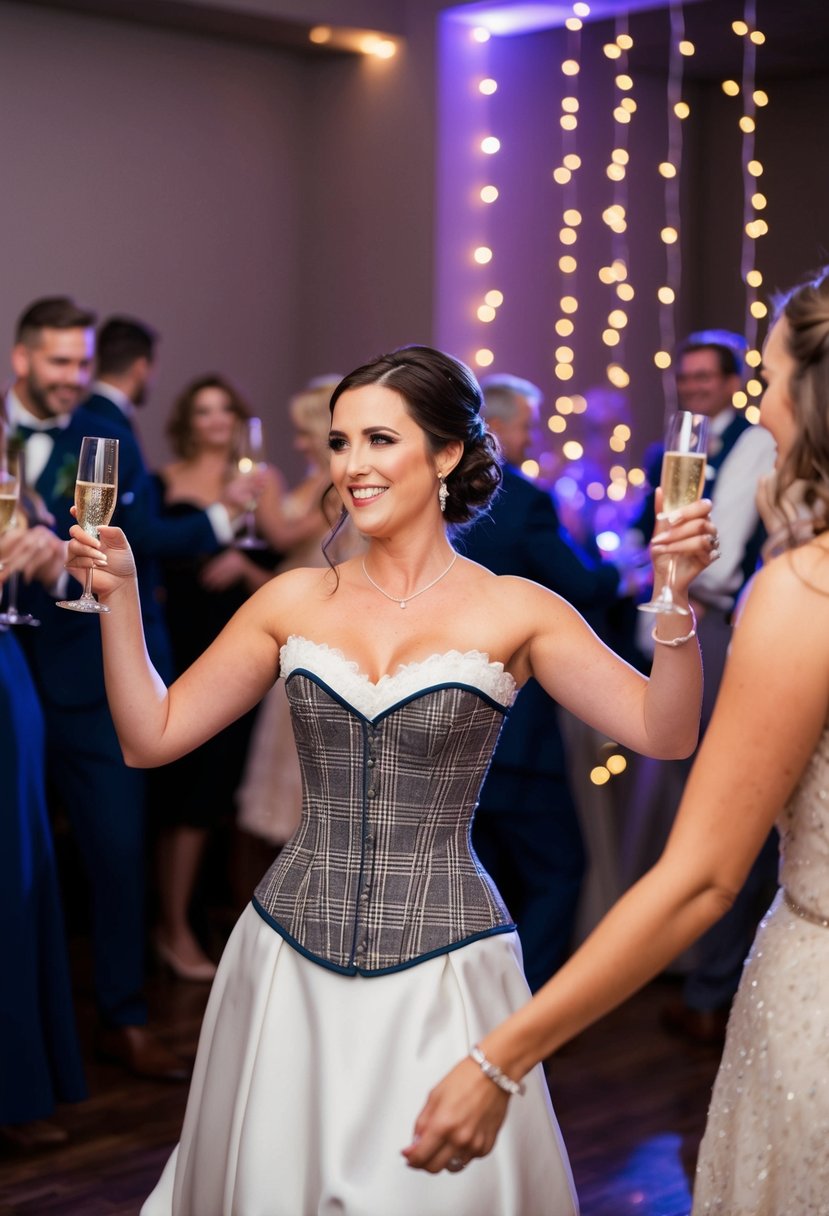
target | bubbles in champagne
[
  {"x": 8, "y": 503},
  {"x": 683, "y": 474},
  {"x": 94, "y": 503}
]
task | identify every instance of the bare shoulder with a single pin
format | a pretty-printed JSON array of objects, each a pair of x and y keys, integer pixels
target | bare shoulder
[{"x": 785, "y": 611}]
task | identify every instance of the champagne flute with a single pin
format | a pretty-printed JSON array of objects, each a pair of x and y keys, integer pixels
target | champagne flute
[
  {"x": 96, "y": 489},
  {"x": 683, "y": 476},
  {"x": 9, "y": 506},
  {"x": 250, "y": 457}
]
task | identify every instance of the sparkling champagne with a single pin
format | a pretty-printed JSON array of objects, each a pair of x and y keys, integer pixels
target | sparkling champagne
[
  {"x": 94, "y": 503},
  {"x": 683, "y": 475},
  {"x": 8, "y": 503}
]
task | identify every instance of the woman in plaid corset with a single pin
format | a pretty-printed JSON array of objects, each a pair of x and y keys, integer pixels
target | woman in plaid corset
[{"x": 376, "y": 951}]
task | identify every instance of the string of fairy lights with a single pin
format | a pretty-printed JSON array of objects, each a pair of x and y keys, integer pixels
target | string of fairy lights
[
  {"x": 490, "y": 298},
  {"x": 615, "y": 275},
  {"x": 754, "y": 201},
  {"x": 566, "y": 176}
]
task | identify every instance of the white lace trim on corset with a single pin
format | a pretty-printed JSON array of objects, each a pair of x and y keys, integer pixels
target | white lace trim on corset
[{"x": 471, "y": 667}]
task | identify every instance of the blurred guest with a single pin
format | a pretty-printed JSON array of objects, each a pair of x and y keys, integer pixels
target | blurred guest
[
  {"x": 270, "y": 796},
  {"x": 124, "y": 365},
  {"x": 196, "y": 794},
  {"x": 52, "y": 362},
  {"x": 526, "y": 829},
  {"x": 40, "y": 1063},
  {"x": 709, "y": 371}
]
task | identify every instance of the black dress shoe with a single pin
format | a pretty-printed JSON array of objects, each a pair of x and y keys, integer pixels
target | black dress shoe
[
  {"x": 704, "y": 1026},
  {"x": 141, "y": 1053}
]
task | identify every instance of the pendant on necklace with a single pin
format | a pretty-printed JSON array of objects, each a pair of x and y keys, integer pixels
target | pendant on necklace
[{"x": 402, "y": 603}]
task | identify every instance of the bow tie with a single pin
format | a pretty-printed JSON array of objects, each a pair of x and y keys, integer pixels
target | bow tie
[{"x": 26, "y": 432}]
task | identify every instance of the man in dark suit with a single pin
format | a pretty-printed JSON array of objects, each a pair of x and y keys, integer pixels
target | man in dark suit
[
  {"x": 526, "y": 829},
  {"x": 104, "y": 800},
  {"x": 124, "y": 364}
]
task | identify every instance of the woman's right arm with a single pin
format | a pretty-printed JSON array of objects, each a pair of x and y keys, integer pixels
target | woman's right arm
[
  {"x": 154, "y": 724},
  {"x": 773, "y": 706}
]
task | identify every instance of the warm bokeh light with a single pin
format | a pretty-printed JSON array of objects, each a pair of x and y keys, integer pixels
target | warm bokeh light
[
  {"x": 568, "y": 304},
  {"x": 486, "y": 313},
  {"x": 567, "y": 264},
  {"x": 757, "y": 37},
  {"x": 482, "y": 255},
  {"x": 479, "y": 34},
  {"x": 568, "y": 122},
  {"x": 682, "y": 109},
  {"x": 490, "y": 145},
  {"x": 616, "y": 763},
  {"x": 612, "y": 50},
  {"x": 568, "y": 236},
  {"x": 758, "y": 309},
  {"x": 636, "y": 477},
  {"x": 753, "y": 358},
  {"x": 488, "y": 86},
  {"x": 666, "y": 295},
  {"x": 686, "y": 47},
  {"x": 758, "y": 201},
  {"x": 320, "y": 34},
  {"x": 669, "y": 235},
  {"x": 624, "y": 41},
  {"x": 667, "y": 169},
  {"x": 739, "y": 399},
  {"x": 747, "y": 124},
  {"x": 739, "y": 27},
  {"x": 530, "y": 469},
  {"x": 753, "y": 414},
  {"x": 731, "y": 88},
  {"x": 570, "y": 67},
  {"x": 572, "y": 450},
  {"x": 484, "y": 357},
  {"x": 557, "y": 424},
  {"x": 624, "y": 82},
  {"x": 662, "y": 359},
  {"x": 562, "y": 175},
  {"x": 572, "y": 217},
  {"x": 570, "y": 105},
  {"x": 755, "y": 168},
  {"x": 571, "y": 161},
  {"x": 489, "y": 194},
  {"x": 625, "y": 291},
  {"x": 564, "y": 405},
  {"x": 610, "y": 337},
  {"x": 564, "y": 354},
  {"x": 564, "y": 327},
  {"x": 564, "y": 371},
  {"x": 494, "y": 298}
]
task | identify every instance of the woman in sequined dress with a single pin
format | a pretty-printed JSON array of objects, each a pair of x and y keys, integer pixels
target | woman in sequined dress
[
  {"x": 764, "y": 760},
  {"x": 376, "y": 951}
]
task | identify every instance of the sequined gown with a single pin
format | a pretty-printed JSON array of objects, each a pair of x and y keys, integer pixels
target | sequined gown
[
  {"x": 375, "y": 953},
  {"x": 766, "y": 1146}
]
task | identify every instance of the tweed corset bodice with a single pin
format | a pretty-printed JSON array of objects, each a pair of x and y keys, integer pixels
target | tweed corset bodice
[{"x": 380, "y": 873}]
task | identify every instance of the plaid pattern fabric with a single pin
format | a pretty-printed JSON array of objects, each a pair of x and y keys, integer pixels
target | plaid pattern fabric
[{"x": 380, "y": 871}]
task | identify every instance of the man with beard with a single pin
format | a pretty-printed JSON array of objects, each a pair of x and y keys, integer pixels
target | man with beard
[{"x": 104, "y": 800}]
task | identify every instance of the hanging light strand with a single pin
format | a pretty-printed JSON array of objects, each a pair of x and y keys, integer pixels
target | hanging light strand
[
  {"x": 490, "y": 299},
  {"x": 616, "y": 275},
  {"x": 754, "y": 201},
  {"x": 566, "y": 175},
  {"x": 671, "y": 169}
]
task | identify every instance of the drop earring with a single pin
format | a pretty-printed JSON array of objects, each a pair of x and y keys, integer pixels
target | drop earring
[{"x": 443, "y": 492}]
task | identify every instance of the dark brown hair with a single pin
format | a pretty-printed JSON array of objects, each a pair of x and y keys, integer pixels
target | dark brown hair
[{"x": 51, "y": 312}]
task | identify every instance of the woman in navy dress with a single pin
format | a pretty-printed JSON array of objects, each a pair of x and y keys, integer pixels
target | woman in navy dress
[{"x": 40, "y": 1062}]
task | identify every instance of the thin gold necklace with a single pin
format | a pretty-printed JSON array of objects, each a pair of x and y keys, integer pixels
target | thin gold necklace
[{"x": 415, "y": 594}]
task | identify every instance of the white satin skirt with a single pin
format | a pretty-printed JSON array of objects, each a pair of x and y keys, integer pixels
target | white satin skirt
[{"x": 307, "y": 1085}]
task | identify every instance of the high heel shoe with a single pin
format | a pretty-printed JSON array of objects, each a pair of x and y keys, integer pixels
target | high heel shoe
[{"x": 194, "y": 973}]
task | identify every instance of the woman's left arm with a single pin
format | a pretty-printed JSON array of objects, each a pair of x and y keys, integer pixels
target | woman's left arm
[{"x": 658, "y": 716}]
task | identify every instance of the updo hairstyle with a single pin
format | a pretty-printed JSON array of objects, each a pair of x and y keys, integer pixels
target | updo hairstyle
[
  {"x": 443, "y": 397},
  {"x": 806, "y": 310}
]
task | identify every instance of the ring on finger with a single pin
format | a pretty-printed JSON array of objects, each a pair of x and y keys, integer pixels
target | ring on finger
[
  {"x": 714, "y": 540},
  {"x": 455, "y": 1164}
]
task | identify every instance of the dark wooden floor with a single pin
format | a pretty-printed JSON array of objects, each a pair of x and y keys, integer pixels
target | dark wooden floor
[{"x": 631, "y": 1103}]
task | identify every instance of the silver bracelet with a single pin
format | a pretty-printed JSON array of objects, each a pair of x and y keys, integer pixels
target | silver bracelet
[
  {"x": 677, "y": 641},
  {"x": 494, "y": 1073}
]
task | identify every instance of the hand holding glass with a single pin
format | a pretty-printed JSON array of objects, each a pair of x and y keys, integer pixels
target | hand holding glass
[
  {"x": 250, "y": 458},
  {"x": 683, "y": 476},
  {"x": 9, "y": 505},
  {"x": 96, "y": 489}
]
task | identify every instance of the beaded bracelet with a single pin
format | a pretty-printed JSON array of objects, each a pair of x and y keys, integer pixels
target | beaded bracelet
[
  {"x": 494, "y": 1073},
  {"x": 677, "y": 641}
]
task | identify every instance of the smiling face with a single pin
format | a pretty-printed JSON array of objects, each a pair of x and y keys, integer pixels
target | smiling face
[
  {"x": 777, "y": 408},
  {"x": 54, "y": 371},
  {"x": 213, "y": 419},
  {"x": 702, "y": 385},
  {"x": 381, "y": 462}
]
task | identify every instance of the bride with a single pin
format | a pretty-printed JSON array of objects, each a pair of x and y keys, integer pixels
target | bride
[{"x": 376, "y": 951}]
